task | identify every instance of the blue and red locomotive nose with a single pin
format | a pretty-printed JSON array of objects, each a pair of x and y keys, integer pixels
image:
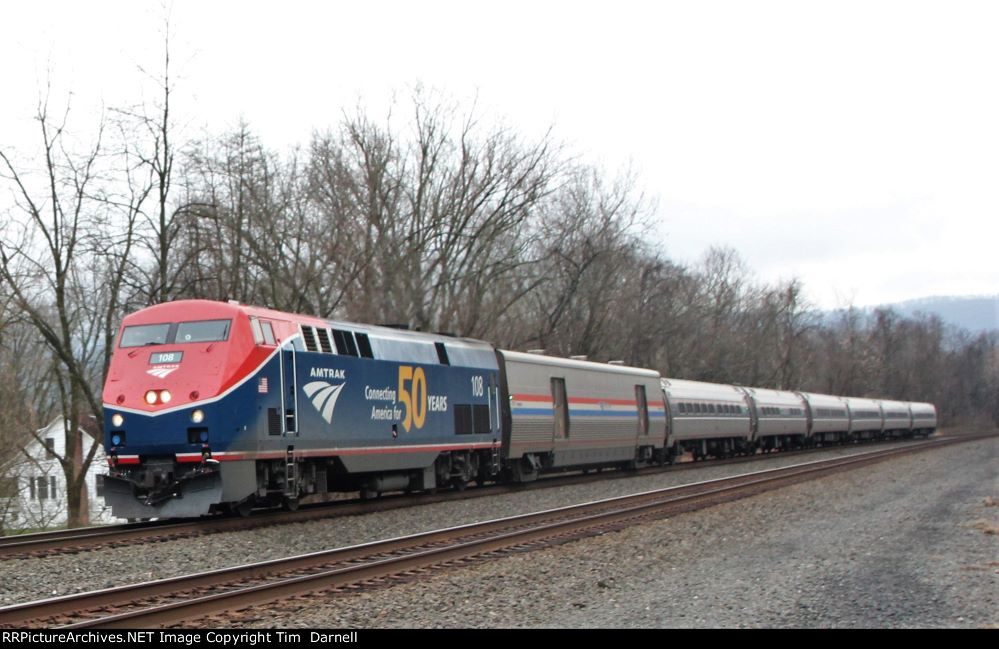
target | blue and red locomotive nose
[
  {"x": 188, "y": 430},
  {"x": 168, "y": 375}
]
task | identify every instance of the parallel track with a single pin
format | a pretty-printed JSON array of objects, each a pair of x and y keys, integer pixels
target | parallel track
[
  {"x": 183, "y": 599},
  {"x": 89, "y": 538}
]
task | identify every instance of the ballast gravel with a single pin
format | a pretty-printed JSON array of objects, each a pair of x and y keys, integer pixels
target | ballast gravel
[
  {"x": 913, "y": 542},
  {"x": 30, "y": 579},
  {"x": 903, "y": 543}
]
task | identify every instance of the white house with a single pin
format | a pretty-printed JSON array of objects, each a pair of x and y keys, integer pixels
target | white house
[{"x": 33, "y": 491}]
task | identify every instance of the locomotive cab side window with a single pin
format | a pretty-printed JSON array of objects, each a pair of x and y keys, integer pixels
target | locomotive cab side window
[{"x": 268, "y": 332}]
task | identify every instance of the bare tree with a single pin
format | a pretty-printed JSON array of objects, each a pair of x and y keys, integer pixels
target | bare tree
[
  {"x": 471, "y": 193},
  {"x": 44, "y": 275},
  {"x": 28, "y": 399},
  {"x": 432, "y": 231},
  {"x": 588, "y": 237},
  {"x": 150, "y": 151}
]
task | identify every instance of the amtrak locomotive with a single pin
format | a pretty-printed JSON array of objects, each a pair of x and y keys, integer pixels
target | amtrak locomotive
[{"x": 213, "y": 406}]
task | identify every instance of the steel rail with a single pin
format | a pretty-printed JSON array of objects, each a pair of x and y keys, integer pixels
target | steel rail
[
  {"x": 369, "y": 560},
  {"x": 88, "y": 538}
]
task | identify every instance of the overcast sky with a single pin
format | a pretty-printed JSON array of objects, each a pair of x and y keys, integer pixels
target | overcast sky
[{"x": 852, "y": 144}]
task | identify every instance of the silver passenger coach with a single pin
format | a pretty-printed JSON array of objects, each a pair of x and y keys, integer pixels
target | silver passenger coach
[{"x": 567, "y": 412}]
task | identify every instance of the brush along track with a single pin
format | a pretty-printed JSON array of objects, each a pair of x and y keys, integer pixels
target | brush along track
[
  {"x": 374, "y": 564},
  {"x": 76, "y": 540}
]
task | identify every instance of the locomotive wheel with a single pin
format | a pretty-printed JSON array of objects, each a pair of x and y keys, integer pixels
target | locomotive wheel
[{"x": 289, "y": 504}]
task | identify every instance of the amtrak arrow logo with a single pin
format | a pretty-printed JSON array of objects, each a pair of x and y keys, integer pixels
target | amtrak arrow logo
[
  {"x": 324, "y": 396},
  {"x": 163, "y": 371}
]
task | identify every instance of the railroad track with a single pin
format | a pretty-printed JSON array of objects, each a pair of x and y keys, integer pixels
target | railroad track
[
  {"x": 89, "y": 538},
  {"x": 369, "y": 565}
]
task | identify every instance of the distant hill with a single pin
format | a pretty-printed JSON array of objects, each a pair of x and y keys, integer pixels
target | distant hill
[{"x": 974, "y": 313}]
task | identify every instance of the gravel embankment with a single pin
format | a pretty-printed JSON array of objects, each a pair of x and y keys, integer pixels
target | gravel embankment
[
  {"x": 913, "y": 542},
  {"x": 36, "y": 578}
]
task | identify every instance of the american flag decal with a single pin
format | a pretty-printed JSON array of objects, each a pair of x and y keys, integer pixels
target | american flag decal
[{"x": 262, "y": 385}]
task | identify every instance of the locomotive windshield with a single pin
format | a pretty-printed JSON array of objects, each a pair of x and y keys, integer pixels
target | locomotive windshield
[
  {"x": 201, "y": 331},
  {"x": 142, "y": 335}
]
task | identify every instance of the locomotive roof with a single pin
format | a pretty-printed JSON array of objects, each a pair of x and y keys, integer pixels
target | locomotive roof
[{"x": 199, "y": 309}]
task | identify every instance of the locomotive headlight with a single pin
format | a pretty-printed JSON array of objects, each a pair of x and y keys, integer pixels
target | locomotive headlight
[
  {"x": 117, "y": 420},
  {"x": 151, "y": 397},
  {"x": 165, "y": 396},
  {"x": 116, "y": 440},
  {"x": 198, "y": 416}
]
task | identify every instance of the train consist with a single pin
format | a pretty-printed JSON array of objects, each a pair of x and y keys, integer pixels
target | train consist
[{"x": 213, "y": 406}]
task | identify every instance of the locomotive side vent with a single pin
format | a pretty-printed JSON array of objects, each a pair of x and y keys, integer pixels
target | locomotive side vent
[
  {"x": 463, "y": 423},
  {"x": 309, "y": 336},
  {"x": 480, "y": 419},
  {"x": 273, "y": 422},
  {"x": 345, "y": 342},
  {"x": 324, "y": 341},
  {"x": 442, "y": 354},
  {"x": 364, "y": 346}
]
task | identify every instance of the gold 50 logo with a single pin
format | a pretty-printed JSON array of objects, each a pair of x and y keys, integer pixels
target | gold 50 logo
[{"x": 413, "y": 393}]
